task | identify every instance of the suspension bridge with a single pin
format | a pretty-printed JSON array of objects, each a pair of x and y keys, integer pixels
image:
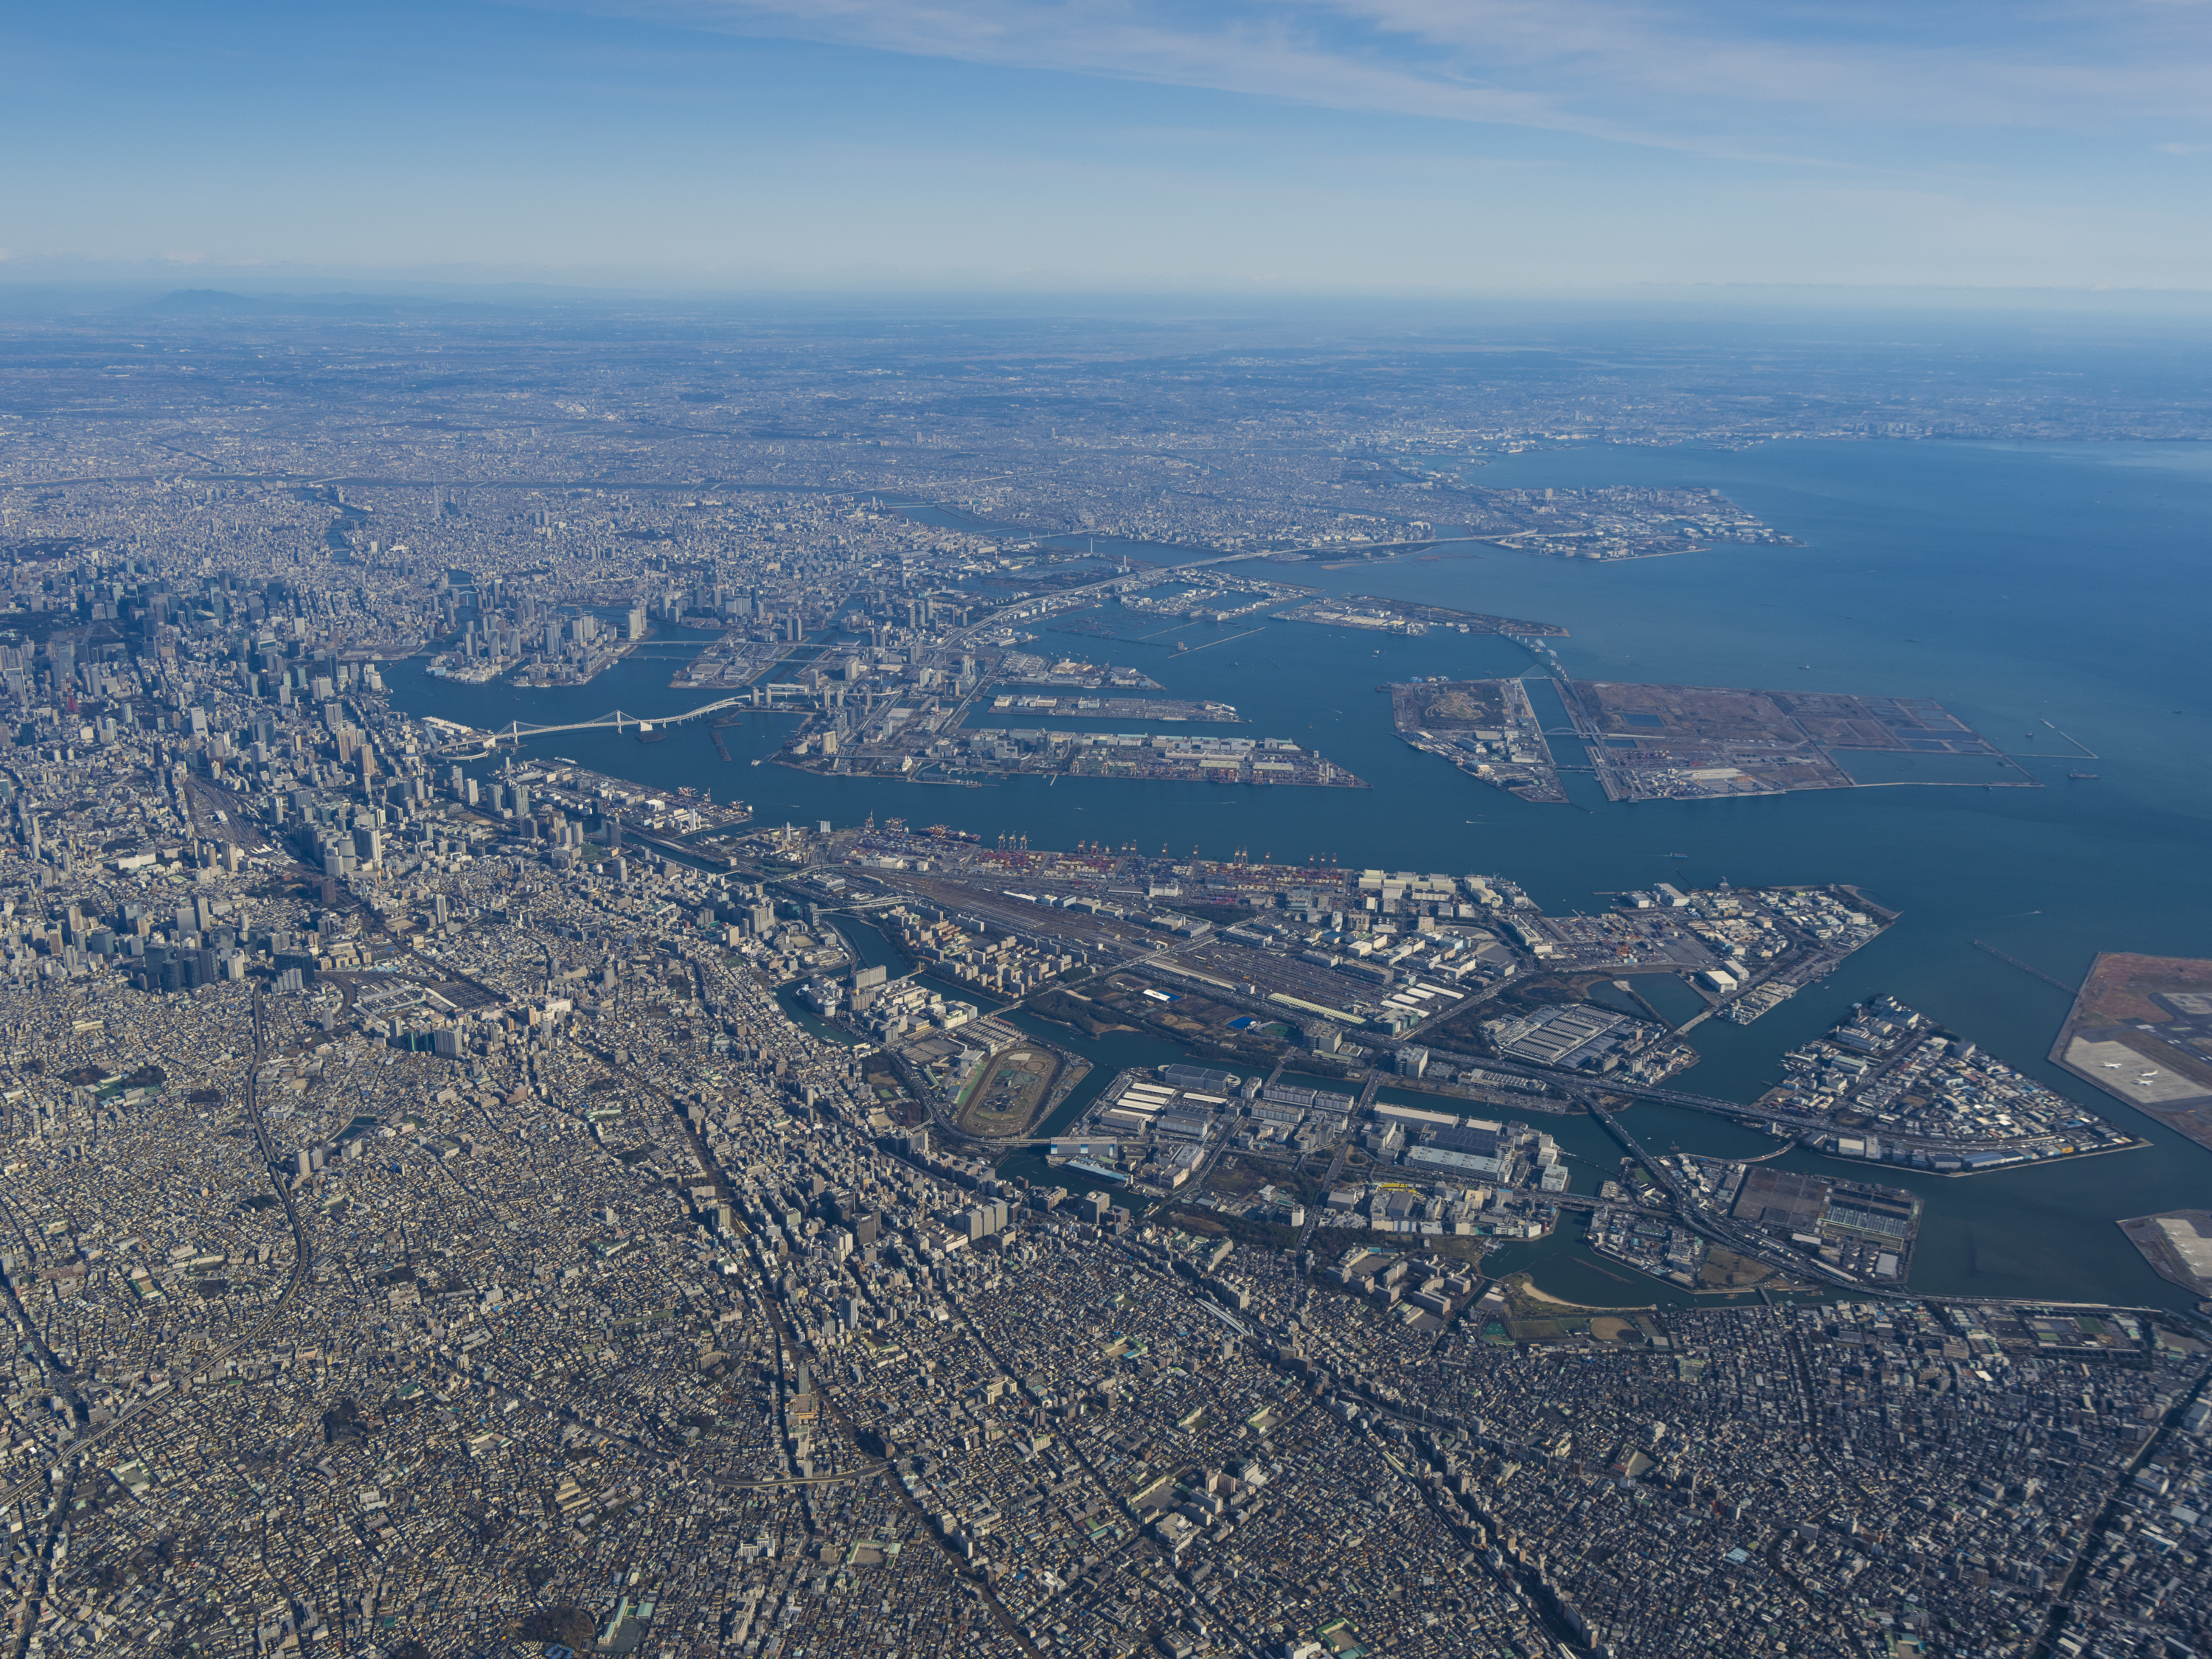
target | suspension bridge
[{"x": 461, "y": 738}]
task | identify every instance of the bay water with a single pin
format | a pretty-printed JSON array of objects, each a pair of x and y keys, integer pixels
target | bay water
[{"x": 2017, "y": 584}]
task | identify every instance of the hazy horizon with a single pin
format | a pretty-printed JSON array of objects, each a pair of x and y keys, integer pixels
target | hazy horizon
[{"x": 1328, "y": 147}]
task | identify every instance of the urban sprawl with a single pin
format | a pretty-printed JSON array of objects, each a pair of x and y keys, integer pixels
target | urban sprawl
[{"x": 460, "y": 1201}]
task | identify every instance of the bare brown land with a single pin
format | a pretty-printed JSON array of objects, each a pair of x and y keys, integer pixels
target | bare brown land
[
  {"x": 1699, "y": 714},
  {"x": 1683, "y": 742},
  {"x": 2168, "y": 1240},
  {"x": 2165, "y": 1071},
  {"x": 2121, "y": 984},
  {"x": 1726, "y": 1270}
]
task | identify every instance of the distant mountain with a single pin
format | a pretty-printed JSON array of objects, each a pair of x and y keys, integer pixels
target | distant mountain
[
  {"x": 208, "y": 302},
  {"x": 220, "y": 302}
]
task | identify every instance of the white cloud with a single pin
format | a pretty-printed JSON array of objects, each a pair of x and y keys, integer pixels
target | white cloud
[{"x": 1649, "y": 71}]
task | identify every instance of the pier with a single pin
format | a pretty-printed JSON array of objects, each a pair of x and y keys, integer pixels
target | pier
[{"x": 2013, "y": 960}]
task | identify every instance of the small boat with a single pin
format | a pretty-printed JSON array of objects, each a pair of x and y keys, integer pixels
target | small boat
[{"x": 2082, "y": 777}]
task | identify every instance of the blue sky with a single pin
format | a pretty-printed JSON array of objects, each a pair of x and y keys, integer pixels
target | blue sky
[{"x": 1317, "y": 146}]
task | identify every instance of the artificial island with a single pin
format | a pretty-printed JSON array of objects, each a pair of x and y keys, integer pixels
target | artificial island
[{"x": 1691, "y": 742}]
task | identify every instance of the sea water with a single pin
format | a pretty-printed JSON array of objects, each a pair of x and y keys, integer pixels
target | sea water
[{"x": 2017, "y": 585}]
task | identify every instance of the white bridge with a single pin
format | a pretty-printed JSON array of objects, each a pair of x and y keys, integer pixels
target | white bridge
[{"x": 515, "y": 732}]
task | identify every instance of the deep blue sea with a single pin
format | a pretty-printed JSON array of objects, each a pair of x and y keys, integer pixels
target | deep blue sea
[{"x": 2017, "y": 584}]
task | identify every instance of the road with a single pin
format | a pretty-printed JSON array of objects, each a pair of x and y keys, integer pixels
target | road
[
  {"x": 2111, "y": 1516},
  {"x": 836, "y": 1420},
  {"x": 1744, "y": 1240},
  {"x": 1067, "y": 599}
]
